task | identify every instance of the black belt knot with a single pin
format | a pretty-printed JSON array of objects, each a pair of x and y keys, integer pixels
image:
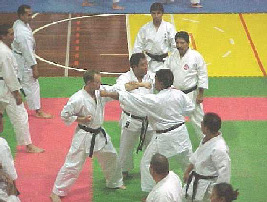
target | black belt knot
[
  {"x": 143, "y": 129},
  {"x": 195, "y": 183},
  {"x": 1, "y": 78},
  {"x": 171, "y": 128},
  {"x": 158, "y": 58},
  {"x": 190, "y": 89},
  {"x": 94, "y": 133},
  {"x": 17, "y": 52}
]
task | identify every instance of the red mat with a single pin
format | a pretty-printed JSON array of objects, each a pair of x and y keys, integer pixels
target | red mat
[{"x": 37, "y": 172}]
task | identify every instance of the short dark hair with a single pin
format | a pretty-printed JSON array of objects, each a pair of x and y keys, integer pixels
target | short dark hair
[
  {"x": 89, "y": 75},
  {"x": 135, "y": 59},
  {"x": 21, "y": 9},
  {"x": 182, "y": 34},
  {"x": 212, "y": 121},
  {"x": 159, "y": 163},
  {"x": 4, "y": 29},
  {"x": 225, "y": 190},
  {"x": 165, "y": 76},
  {"x": 156, "y": 7}
]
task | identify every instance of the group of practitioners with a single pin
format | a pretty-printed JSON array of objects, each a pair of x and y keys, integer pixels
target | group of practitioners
[{"x": 165, "y": 83}]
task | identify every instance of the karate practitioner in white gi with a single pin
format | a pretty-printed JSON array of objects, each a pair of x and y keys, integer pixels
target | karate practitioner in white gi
[
  {"x": 23, "y": 48},
  {"x": 210, "y": 163},
  {"x": 155, "y": 39},
  {"x": 8, "y": 174},
  {"x": 190, "y": 76},
  {"x": 165, "y": 111},
  {"x": 10, "y": 97},
  {"x": 87, "y": 108},
  {"x": 168, "y": 186},
  {"x": 131, "y": 122},
  {"x": 115, "y": 4}
]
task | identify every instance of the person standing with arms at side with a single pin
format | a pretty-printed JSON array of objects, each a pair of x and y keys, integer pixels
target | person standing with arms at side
[
  {"x": 190, "y": 76},
  {"x": 23, "y": 48},
  {"x": 10, "y": 97},
  {"x": 87, "y": 108},
  {"x": 209, "y": 164},
  {"x": 155, "y": 39},
  {"x": 137, "y": 81},
  {"x": 168, "y": 186}
]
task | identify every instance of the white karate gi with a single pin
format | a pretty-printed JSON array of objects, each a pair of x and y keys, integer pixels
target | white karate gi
[
  {"x": 82, "y": 104},
  {"x": 7, "y": 163},
  {"x": 210, "y": 159},
  {"x": 189, "y": 71},
  {"x": 130, "y": 134},
  {"x": 164, "y": 110},
  {"x": 16, "y": 113},
  {"x": 169, "y": 189},
  {"x": 155, "y": 42},
  {"x": 23, "y": 48}
]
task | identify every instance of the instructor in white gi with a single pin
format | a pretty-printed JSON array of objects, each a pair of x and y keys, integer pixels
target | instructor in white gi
[
  {"x": 87, "y": 108},
  {"x": 23, "y": 48},
  {"x": 155, "y": 39},
  {"x": 210, "y": 163},
  {"x": 136, "y": 81},
  {"x": 10, "y": 98},
  {"x": 165, "y": 111},
  {"x": 190, "y": 76}
]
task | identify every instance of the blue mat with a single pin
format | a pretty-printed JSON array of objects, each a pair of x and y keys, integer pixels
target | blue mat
[{"x": 136, "y": 6}]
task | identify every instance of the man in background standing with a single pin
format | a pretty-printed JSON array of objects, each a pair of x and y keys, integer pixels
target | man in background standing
[{"x": 24, "y": 51}]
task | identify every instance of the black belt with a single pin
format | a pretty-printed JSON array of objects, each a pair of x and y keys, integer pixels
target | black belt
[
  {"x": 94, "y": 132},
  {"x": 197, "y": 178},
  {"x": 190, "y": 89},
  {"x": 158, "y": 58},
  {"x": 169, "y": 129},
  {"x": 143, "y": 129},
  {"x": 17, "y": 52},
  {"x": 1, "y": 78}
]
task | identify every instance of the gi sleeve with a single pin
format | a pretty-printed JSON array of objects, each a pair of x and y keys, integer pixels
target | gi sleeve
[
  {"x": 139, "y": 44},
  {"x": 222, "y": 163},
  {"x": 9, "y": 75},
  {"x": 202, "y": 73},
  {"x": 142, "y": 104},
  {"x": 27, "y": 48},
  {"x": 69, "y": 114},
  {"x": 7, "y": 160},
  {"x": 171, "y": 35}
]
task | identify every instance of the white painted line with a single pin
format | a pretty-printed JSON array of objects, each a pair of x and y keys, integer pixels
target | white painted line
[
  {"x": 34, "y": 15},
  {"x": 219, "y": 29},
  {"x": 114, "y": 54},
  {"x": 129, "y": 39},
  {"x": 186, "y": 19},
  {"x": 231, "y": 40},
  {"x": 227, "y": 53},
  {"x": 67, "y": 60}
]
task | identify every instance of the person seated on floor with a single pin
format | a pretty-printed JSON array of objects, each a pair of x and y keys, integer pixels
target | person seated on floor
[
  {"x": 223, "y": 192},
  {"x": 168, "y": 185}
]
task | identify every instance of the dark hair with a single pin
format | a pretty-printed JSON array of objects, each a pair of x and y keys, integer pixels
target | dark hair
[
  {"x": 159, "y": 164},
  {"x": 182, "y": 34},
  {"x": 135, "y": 59},
  {"x": 156, "y": 7},
  {"x": 225, "y": 190},
  {"x": 21, "y": 9},
  {"x": 165, "y": 76},
  {"x": 89, "y": 75},
  {"x": 212, "y": 121},
  {"x": 4, "y": 29}
]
